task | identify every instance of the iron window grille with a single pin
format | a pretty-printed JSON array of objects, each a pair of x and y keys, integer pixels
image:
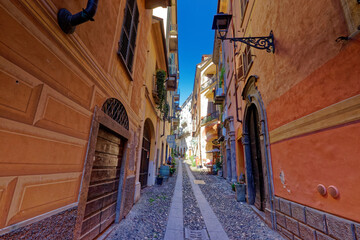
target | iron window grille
[
  {"x": 128, "y": 34},
  {"x": 114, "y": 109}
]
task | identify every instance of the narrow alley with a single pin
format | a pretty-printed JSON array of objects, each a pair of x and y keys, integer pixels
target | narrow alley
[
  {"x": 179, "y": 119},
  {"x": 191, "y": 205}
]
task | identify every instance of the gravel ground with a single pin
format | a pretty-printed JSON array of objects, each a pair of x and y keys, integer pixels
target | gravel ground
[
  {"x": 238, "y": 220},
  {"x": 192, "y": 215},
  {"x": 148, "y": 218}
]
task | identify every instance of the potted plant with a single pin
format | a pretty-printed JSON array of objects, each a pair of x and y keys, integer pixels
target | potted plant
[
  {"x": 172, "y": 171},
  {"x": 159, "y": 179},
  {"x": 240, "y": 188},
  {"x": 219, "y": 168}
]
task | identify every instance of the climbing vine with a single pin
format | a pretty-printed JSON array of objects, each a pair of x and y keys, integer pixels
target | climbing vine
[{"x": 163, "y": 106}]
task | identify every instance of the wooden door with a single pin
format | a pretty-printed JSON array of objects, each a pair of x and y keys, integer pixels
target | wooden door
[
  {"x": 101, "y": 202},
  {"x": 144, "y": 166},
  {"x": 256, "y": 160}
]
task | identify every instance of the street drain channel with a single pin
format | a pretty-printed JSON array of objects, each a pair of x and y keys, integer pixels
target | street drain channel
[
  {"x": 199, "y": 182},
  {"x": 196, "y": 234}
]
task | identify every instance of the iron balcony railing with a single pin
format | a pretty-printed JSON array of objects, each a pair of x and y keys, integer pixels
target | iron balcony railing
[
  {"x": 210, "y": 117},
  {"x": 219, "y": 96},
  {"x": 208, "y": 83}
]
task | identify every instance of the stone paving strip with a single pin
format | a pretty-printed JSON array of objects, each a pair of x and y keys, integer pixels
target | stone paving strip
[
  {"x": 193, "y": 220},
  {"x": 148, "y": 218},
  {"x": 175, "y": 225},
  {"x": 238, "y": 219},
  {"x": 214, "y": 227}
]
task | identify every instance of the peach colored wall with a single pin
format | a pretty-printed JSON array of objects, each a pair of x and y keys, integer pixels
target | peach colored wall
[
  {"x": 308, "y": 72},
  {"x": 50, "y": 83},
  {"x": 329, "y": 157},
  {"x": 336, "y": 80}
]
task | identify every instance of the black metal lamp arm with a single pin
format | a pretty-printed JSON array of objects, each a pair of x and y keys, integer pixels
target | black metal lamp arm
[
  {"x": 68, "y": 22},
  {"x": 263, "y": 43}
]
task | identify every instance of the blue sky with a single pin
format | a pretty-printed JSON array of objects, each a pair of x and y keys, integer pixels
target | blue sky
[{"x": 195, "y": 39}]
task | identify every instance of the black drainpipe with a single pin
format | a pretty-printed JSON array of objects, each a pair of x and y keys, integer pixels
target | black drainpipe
[{"x": 68, "y": 22}]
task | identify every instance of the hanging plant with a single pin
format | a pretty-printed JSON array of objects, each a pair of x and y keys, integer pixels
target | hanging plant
[
  {"x": 222, "y": 73},
  {"x": 161, "y": 91}
]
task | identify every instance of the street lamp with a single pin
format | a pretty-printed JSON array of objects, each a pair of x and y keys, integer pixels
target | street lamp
[{"x": 221, "y": 24}]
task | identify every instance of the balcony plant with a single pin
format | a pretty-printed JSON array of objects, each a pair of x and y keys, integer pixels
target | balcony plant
[{"x": 163, "y": 106}]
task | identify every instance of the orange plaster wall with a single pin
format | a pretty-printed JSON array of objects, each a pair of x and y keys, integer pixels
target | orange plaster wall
[
  {"x": 47, "y": 97},
  {"x": 336, "y": 80},
  {"x": 328, "y": 157}
]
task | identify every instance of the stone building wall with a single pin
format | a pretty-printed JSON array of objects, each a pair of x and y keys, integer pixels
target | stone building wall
[{"x": 296, "y": 221}]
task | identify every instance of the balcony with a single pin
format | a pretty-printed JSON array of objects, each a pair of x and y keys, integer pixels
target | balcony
[
  {"x": 151, "y": 4},
  {"x": 175, "y": 122},
  {"x": 173, "y": 41},
  {"x": 171, "y": 83},
  {"x": 176, "y": 97},
  {"x": 219, "y": 96},
  {"x": 210, "y": 117},
  {"x": 208, "y": 83}
]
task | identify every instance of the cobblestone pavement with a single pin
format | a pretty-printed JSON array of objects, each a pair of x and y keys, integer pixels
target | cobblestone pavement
[
  {"x": 238, "y": 219},
  {"x": 148, "y": 218}
]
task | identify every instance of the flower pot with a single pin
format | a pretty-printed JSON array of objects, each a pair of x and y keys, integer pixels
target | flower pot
[
  {"x": 220, "y": 173},
  {"x": 159, "y": 180},
  {"x": 240, "y": 190}
]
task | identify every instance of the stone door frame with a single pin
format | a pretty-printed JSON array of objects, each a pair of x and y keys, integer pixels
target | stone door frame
[
  {"x": 252, "y": 97},
  {"x": 100, "y": 118}
]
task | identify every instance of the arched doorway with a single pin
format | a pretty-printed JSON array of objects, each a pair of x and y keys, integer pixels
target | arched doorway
[
  {"x": 104, "y": 171},
  {"x": 256, "y": 159},
  {"x": 145, "y": 156},
  {"x": 255, "y": 140}
]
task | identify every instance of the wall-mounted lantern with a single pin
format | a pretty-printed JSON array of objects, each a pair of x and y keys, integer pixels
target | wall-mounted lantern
[
  {"x": 68, "y": 22},
  {"x": 221, "y": 24}
]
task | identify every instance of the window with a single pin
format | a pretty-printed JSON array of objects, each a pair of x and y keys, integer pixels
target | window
[
  {"x": 243, "y": 5},
  {"x": 128, "y": 34}
]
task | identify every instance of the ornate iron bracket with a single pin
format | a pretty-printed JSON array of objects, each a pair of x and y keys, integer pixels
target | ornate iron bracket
[{"x": 263, "y": 43}]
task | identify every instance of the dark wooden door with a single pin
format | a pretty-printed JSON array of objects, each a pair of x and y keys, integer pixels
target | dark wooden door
[
  {"x": 144, "y": 166},
  {"x": 101, "y": 202},
  {"x": 257, "y": 168}
]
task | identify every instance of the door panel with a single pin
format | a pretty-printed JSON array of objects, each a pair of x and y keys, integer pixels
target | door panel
[
  {"x": 144, "y": 166},
  {"x": 101, "y": 202},
  {"x": 257, "y": 168}
]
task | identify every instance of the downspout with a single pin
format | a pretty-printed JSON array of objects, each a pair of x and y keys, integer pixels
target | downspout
[
  {"x": 235, "y": 82},
  {"x": 68, "y": 22}
]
